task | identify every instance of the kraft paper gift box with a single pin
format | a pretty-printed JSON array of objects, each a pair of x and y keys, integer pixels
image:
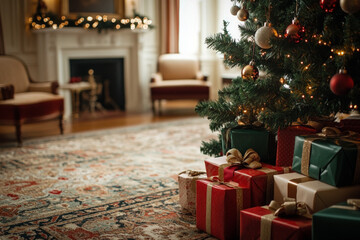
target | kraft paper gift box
[
  {"x": 335, "y": 161},
  {"x": 218, "y": 208},
  {"x": 259, "y": 181},
  {"x": 286, "y": 142},
  {"x": 187, "y": 189},
  {"x": 340, "y": 221},
  {"x": 243, "y": 138},
  {"x": 260, "y": 223},
  {"x": 316, "y": 194}
]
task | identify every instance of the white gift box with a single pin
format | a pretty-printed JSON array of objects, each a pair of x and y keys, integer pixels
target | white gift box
[{"x": 317, "y": 195}]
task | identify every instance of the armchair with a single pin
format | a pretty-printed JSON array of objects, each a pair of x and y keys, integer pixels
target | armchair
[
  {"x": 178, "y": 77},
  {"x": 22, "y": 100}
]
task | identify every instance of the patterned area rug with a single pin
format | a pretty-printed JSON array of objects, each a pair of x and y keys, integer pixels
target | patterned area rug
[{"x": 113, "y": 184}]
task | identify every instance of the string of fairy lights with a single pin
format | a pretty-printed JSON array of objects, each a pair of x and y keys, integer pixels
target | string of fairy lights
[{"x": 88, "y": 22}]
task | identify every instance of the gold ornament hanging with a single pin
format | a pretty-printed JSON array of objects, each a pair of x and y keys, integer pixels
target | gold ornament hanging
[
  {"x": 250, "y": 71},
  {"x": 242, "y": 14}
]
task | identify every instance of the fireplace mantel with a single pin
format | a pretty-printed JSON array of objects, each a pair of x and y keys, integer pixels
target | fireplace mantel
[{"x": 57, "y": 46}]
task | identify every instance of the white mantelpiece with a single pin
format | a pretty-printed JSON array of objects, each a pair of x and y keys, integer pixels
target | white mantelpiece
[{"x": 57, "y": 47}]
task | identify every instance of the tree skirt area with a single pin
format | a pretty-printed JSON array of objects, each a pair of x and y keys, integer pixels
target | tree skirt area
[{"x": 112, "y": 184}]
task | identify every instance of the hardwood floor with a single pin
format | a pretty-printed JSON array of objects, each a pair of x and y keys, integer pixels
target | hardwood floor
[{"x": 171, "y": 110}]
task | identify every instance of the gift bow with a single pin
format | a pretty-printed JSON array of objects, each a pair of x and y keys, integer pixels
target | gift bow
[
  {"x": 251, "y": 158},
  {"x": 192, "y": 173},
  {"x": 289, "y": 208},
  {"x": 354, "y": 202}
]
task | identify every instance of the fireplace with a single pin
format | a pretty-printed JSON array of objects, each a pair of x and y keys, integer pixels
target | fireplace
[
  {"x": 109, "y": 75},
  {"x": 57, "y": 48}
]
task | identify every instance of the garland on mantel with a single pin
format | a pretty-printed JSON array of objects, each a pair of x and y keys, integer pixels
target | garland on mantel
[{"x": 49, "y": 20}]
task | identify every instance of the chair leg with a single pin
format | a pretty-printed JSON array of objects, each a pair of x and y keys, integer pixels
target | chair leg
[
  {"x": 61, "y": 124},
  {"x": 159, "y": 103},
  {"x": 153, "y": 107},
  {"x": 18, "y": 133}
]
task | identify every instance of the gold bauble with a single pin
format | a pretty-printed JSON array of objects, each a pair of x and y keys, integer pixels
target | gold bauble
[
  {"x": 250, "y": 72},
  {"x": 350, "y": 6},
  {"x": 242, "y": 14}
]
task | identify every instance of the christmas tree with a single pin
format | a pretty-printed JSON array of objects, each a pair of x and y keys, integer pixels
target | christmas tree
[{"x": 300, "y": 60}]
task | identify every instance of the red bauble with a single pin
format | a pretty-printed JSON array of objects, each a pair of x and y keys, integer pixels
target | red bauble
[
  {"x": 341, "y": 83},
  {"x": 328, "y": 5},
  {"x": 295, "y": 32}
]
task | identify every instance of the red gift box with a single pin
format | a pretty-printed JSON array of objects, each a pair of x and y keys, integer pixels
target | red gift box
[
  {"x": 286, "y": 142},
  {"x": 351, "y": 123},
  {"x": 260, "y": 223},
  {"x": 259, "y": 181},
  {"x": 218, "y": 208}
]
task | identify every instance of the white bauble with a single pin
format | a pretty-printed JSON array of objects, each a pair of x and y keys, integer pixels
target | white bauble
[
  {"x": 263, "y": 35},
  {"x": 350, "y": 6}
]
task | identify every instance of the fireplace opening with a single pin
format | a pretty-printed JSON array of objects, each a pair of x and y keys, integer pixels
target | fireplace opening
[{"x": 109, "y": 76}]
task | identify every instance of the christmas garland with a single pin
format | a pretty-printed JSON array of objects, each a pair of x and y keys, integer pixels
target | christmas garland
[{"x": 49, "y": 20}]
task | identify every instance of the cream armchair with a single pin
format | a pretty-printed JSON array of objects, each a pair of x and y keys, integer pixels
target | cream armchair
[
  {"x": 22, "y": 100},
  {"x": 178, "y": 77}
]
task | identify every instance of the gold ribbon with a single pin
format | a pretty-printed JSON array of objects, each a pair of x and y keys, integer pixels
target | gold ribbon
[
  {"x": 292, "y": 185},
  {"x": 195, "y": 176},
  {"x": 269, "y": 182},
  {"x": 251, "y": 158},
  {"x": 239, "y": 201},
  {"x": 289, "y": 208},
  {"x": 353, "y": 204}
]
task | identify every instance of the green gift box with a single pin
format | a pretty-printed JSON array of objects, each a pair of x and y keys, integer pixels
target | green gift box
[
  {"x": 341, "y": 221},
  {"x": 335, "y": 161},
  {"x": 259, "y": 139}
]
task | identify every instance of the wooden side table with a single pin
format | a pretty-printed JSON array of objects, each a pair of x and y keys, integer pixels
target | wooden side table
[{"x": 76, "y": 89}]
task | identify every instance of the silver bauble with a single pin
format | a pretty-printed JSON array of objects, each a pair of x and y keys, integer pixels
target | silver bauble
[
  {"x": 234, "y": 9},
  {"x": 350, "y": 6},
  {"x": 263, "y": 35}
]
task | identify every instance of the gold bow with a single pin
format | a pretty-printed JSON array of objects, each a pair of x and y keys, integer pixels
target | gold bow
[
  {"x": 251, "y": 158},
  {"x": 354, "y": 202},
  {"x": 192, "y": 173},
  {"x": 289, "y": 208}
]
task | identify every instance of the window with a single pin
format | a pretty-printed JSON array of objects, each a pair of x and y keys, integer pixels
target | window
[{"x": 191, "y": 16}]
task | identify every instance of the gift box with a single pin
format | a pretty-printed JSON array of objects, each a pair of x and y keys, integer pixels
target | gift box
[
  {"x": 334, "y": 160},
  {"x": 351, "y": 123},
  {"x": 286, "y": 142},
  {"x": 241, "y": 138},
  {"x": 187, "y": 189},
  {"x": 316, "y": 194},
  {"x": 340, "y": 221},
  {"x": 218, "y": 208},
  {"x": 261, "y": 223},
  {"x": 259, "y": 181}
]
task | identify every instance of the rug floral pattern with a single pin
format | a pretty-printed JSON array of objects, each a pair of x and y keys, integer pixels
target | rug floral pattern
[{"x": 112, "y": 184}]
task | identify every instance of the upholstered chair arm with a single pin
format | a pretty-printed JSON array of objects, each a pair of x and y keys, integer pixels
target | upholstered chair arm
[
  {"x": 156, "y": 77},
  {"x": 51, "y": 87},
  {"x": 201, "y": 76},
  {"x": 6, "y": 91}
]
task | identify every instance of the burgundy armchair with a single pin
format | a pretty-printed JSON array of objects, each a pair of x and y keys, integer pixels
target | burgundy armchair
[
  {"x": 178, "y": 77},
  {"x": 22, "y": 100}
]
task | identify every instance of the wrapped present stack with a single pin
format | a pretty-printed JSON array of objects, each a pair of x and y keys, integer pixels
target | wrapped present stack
[{"x": 246, "y": 198}]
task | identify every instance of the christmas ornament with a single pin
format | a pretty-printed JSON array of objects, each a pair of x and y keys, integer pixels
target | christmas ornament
[
  {"x": 350, "y": 6},
  {"x": 341, "y": 83},
  {"x": 295, "y": 32},
  {"x": 263, "y": 35},
  {"x": 234, "y": 10},
  {"x": 242, "y": 14},
  {"x": 250, "y": 71},
  {"x": 328, "y": 5}
]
